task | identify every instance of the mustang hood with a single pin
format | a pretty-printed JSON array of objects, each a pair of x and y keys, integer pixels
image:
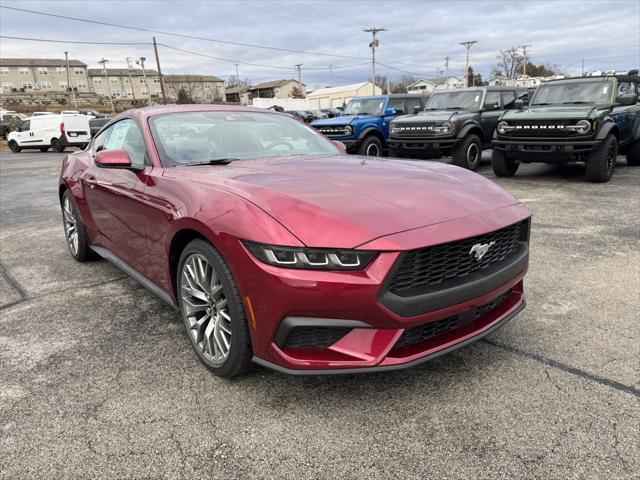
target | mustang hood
[
  {"x": 564, "y": 112},
  {"x": 345, "y": 201},
  {"x": 433, "y": 116}
]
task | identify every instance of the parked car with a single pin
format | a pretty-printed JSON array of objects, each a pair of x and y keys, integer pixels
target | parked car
[
  {"x": 9, "y": 121},
  {"x": 303, "y": 115},
  {"x": 55, "y": 131},
  {"x": 218, "y": 211},
  {"x": 95, "y": 124},
  {"x": 364, "y": 125},
  {"x": 587, "y": 120},
  {"x": 318, "y": 114},
  {"x": 332, "y": 112},
  {"x": 458, "y": 122},
  {"x": 92, "y": 113}
]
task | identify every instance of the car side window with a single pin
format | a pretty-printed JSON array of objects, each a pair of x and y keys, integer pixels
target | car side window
[
  {"x": 25, "y": 126},
  {"x": 398, "y": 105},
  {"x": 492, "y": 100},
  {"x": 508, "y": 99},
  {"x": 124, "y": 135},
  {"x": 412, "y": 103}
]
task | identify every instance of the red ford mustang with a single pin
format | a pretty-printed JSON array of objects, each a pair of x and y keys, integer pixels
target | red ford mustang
[{"x": 277, "y": 247}]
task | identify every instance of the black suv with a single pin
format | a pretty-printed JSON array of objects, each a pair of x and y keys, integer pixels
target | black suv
[{"x": 456, "y": 122}]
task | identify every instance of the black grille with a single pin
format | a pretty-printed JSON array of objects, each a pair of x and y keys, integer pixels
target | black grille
[
  {"x": 430, "y": 330},
  {"x": 421, "y": 271},
  {"x": 542, "y": 128},
  {"x": 415, "y": 130},
  {"x": 315, "y": 337}
]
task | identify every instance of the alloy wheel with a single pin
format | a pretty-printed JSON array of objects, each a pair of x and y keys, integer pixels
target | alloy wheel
[
  {"x": 206, "y": 309},
  {"x": 70, "y": 226},
  {"x": 373, "y": 151},
  {"x": 473, "y": 154}
]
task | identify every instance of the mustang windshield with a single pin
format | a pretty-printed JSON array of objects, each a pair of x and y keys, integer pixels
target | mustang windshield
[
  {"x": 574, "y": 93},
  {"x": 365, "y": 106},
  {"x": 202, "y": 137},
  {"x": 463, "y": 100}
]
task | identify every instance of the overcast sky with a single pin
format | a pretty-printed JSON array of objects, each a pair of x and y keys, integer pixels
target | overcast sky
[{"x": 420, "y": 34}]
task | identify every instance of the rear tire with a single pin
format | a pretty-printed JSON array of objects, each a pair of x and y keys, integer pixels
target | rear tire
[
  {"x": 74, "y": 231},
  {"x": 371, "y": 147},
  {"x": 212, "y": 310},
  {"x": 633, "y": 154},
  {"x": 601, "y": 162},
  {"x": 56, "y": 145},
  {"x": 502, "y": 165},
  {"x": 14, "y": 147},
  {"x": 468, "y": 153}
]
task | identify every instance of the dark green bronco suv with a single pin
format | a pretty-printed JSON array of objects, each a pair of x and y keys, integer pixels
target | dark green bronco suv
[{"x": 587, "y": 119}]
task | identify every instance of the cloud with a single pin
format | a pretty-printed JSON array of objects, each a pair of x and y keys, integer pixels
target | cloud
[{"x": 419, "y": 34}]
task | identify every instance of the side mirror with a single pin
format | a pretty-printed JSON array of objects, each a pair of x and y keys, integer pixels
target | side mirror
[
  {"x": 113, "y": 159},
  {"x": 520, "y": 103},
  {"x": 340, "y": 145},
  {"x": 416, "y": 109},
  {"x": 390, "y": 112},
  {"x": 627, "y": 99}
]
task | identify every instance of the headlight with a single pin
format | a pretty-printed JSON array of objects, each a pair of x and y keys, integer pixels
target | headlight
[
  {"x": 394, "y": 129},
  {"x": 502, "y": 127},
  {"x": 310, "y": 258},
  {"x": 348, "y": 130},
  {"x": 582, "y": 127},
  {"x": 445, "y": 129}
]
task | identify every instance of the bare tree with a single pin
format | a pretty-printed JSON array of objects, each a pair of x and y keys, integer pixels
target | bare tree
[
  {"x": 297, "y": 92},
  {"x": 510, "y": 62}
]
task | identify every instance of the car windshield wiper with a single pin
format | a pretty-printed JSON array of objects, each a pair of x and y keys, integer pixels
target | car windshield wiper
[
  {"x": 213, "y": 161},
  {"x": 541, "y": 103},
  {"x": 579, "y": 102}
]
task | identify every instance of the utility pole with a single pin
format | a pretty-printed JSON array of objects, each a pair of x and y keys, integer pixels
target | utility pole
[
  {"x": 582, "y": 74},
  {"x": 238, "y": 80},
  {"x": 374, "y": 44},
  {"x": 104, "y": 62},
  {"x": 446, "y": 64},
  {"x": 388, "y": 84},
  {"x": 299, "y": 69},
  {"x": 140, "y": 62},
  {"x": 330, "y": 75},
  {"x": 524, "y": 54},
  {"x": 133, "y": 90},
  {"x": 468, "y": 46},
  {"x": 164, "y": 94},
  {"x": 69, "y": 87}
]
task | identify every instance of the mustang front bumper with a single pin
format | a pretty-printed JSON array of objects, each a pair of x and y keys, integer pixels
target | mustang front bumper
[{"x": 346, "y": 315}]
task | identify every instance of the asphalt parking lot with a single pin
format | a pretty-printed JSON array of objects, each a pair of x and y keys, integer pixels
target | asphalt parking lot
[{"x": 97, "y": 379}]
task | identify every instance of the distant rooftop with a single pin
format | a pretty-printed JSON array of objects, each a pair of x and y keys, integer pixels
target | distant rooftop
[{"x": 39, "y": 62}]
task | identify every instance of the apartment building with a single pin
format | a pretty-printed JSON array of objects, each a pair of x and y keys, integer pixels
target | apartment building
[
  {"x": 42, "y": 75},
  {"x": 200, "y": 88},
  {"x": 125, "y": 83}
]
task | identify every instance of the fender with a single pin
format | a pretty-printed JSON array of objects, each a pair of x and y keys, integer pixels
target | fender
[
  {"x": 606, "y": 129},
  {"x": 368, "y": 130},
  {"x": 467, "y": 128}
]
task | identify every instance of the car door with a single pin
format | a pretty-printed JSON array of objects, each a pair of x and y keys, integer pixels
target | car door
[
  {"x": 115, "y": 196},
  {"x": 491, "y": 112},
  {"x": 23, "y": 133}
]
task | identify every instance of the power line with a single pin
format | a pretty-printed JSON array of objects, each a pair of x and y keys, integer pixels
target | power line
[
  {"x": 49, "y": 40},
  {"x": 182, "y": 35}
]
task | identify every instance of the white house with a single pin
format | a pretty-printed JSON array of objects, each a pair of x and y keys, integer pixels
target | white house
[
  {"x": 426, "y": 86},
  {"x": 332, "y": 97}
]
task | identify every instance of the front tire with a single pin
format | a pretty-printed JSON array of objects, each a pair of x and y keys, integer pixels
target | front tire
[
  {"x": 468, "y": 153},
  {"x": 502, "y": 165},
  {"x": 633, "y": 154},
  {"x": 371, "y": 147},
  {"x": 57, "y": 146},
  {"x": 212, "y": 311},
  {"x": 601, "y": 162},
  {"x": 14, "y": 147},
  {"x": 74, "y": 230}
]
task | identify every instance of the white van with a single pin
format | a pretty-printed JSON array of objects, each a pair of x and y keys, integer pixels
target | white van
[{"x": 55, "y": 131}]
